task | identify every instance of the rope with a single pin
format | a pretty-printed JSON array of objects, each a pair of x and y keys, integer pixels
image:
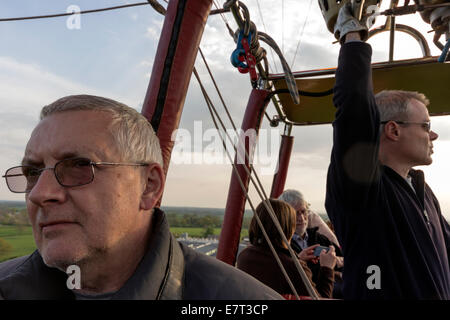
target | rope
[
  {"x": 265, "y": 30},
  {"x": 230, "y": 31},
  {"x": 69, "y": 14},
  {"x": 159, "y": 8},
  {"x": 289, "y": 77},
  {"x": 444, "y": 53},
  {"x": 217, "y": 88},
  {"x": 247, "y": 26},
  {"x": 259, "y": 188},
  {"x": 212, "y": 110},
  {"x": 301, "y": 35}
]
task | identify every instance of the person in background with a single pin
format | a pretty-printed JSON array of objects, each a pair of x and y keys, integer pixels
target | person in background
[
  {"x": 258, "y": 260},
  {"x": 395, "y": 240},
  {"x": 306, "y": 238},
  {"x": 296, "y": 199}
]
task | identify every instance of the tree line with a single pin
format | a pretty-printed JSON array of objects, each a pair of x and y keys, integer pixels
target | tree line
[
  {"x": 199, "y": 221},
  {"x": 14, "y": 216}
]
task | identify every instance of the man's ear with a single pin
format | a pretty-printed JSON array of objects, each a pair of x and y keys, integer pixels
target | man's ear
[
  {"x": 153, "y": 186},
  {"x": 392, "y": 131}
]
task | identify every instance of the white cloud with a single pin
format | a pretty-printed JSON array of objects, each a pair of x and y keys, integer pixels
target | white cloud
[
  {"x": 25, "y": 89},
  {"x": 154, "y": 30}
]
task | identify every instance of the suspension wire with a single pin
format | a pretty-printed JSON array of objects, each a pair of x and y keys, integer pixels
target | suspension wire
[
  {"x": 265, "y": 30},
  {"x": 301, "y": 34},
  {"x": 305, "y": 279},
  {"x": 267, "y": 238},
  {"x": 154, "y": 3},
  {"x": 225, "y": 20},
  {"x": 263, "y": 196},
  {"x": 71, "y": 13},
  {"x": 217, "y": 89}
]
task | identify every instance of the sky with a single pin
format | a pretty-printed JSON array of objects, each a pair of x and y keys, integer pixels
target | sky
[{"x": 111, "y": 54}]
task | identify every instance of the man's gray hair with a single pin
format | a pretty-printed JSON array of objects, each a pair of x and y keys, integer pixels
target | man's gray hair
[
  {"x": 393, "y": 104},
  {"x": 134, "y": 135},
  {"x": 294, "y": 197}
]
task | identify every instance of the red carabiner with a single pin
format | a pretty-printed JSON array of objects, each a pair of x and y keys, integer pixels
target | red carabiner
[{"x": 250, "y": 59}]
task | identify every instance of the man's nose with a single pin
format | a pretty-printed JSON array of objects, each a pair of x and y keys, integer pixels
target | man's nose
[
  {"x": 433, "y": 135},
  {"x": 47, "y": 189}
]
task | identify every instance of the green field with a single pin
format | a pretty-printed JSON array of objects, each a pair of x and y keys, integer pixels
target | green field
[{"x": 21, "y": 240}]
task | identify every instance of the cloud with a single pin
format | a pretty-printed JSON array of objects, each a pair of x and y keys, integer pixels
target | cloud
[
  {"x": 25, "y": 89},
  {"x": 154, "y": 30}
]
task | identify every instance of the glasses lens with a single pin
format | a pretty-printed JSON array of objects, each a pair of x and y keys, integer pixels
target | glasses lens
[
  {"x": 22, "y": 179},
  {"x": 74, "y": 172}
]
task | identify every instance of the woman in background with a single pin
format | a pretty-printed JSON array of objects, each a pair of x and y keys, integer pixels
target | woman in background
[{"x": 257, "y": 259}]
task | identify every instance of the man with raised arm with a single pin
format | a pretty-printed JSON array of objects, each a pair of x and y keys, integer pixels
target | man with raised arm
[
  {"x": 92, "y": 175},
  {"x": 394, "y": 238}
]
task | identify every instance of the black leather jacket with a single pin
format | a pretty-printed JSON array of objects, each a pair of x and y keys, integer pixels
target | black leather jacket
[{"x": 169, "y": 270}]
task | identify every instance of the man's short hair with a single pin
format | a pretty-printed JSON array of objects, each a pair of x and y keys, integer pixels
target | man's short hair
[
  {"x": 393, "y": 104},
  {"x": 134, "y": 135},
  {"x": 286, "y": 216},
  {"x": 294, "y": 197}
]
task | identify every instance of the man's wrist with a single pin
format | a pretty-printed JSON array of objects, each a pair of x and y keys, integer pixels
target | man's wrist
[{"x": 352, "y": 36}]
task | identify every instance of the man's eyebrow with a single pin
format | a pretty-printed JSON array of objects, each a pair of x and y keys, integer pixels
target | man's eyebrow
[
  {"x": 30, "y": 162},
  {"x": 27, "y": 161},
  {"x": 68, "y": 155}
]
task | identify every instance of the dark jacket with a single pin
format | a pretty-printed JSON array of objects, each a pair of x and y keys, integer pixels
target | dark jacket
[
  {"x": 168, "y": 270},
  {"x": 259, "y": 262},
  {"x": 315, "y": 237},
  {"x": 379, "y": 220}
]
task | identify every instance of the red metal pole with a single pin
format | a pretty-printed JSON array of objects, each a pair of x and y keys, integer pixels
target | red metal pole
[
  {"x": 279, "y": 179},
  {"x": 234, "y": 210},
  {"x": 172, "y": 69}
]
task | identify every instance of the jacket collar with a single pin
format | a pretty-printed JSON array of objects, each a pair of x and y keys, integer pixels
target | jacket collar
[
  {"x": 154, "y": 272},
  {"x": 34, "y": 280},
  {"x": 418, "y": 182}
]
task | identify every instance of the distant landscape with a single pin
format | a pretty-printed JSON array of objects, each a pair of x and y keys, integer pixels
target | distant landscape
[{"x": 16, "y": 238}]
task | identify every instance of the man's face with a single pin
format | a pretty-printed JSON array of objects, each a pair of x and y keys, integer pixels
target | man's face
[
  {"x": 302, "y": 219},
  {"x": 417, "y": 142},
  {"x": 75, "y": 224}
]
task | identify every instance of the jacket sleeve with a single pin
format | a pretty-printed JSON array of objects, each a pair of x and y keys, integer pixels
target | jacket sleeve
[
  {"x": 325, "y": 282},
  {"x": 314, "y": 220},
  {"x": 446, "y": 231},
  {"x": 354, "y": 166}
]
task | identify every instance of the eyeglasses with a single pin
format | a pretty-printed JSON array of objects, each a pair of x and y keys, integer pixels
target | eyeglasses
[
  {"x": 304, "y": 213},
  {"x": 426, "y": 125},
  {"x": 72, "y": 172}
]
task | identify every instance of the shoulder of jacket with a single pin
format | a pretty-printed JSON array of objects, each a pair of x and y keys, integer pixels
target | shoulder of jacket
[
  {"x": 9, "y": 267},
  {"x": 210, "y": 278}
]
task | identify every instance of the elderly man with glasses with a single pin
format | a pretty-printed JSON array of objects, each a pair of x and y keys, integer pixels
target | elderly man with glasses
[
  {"x": 395, "y": 241},
  {"x": 92, "y": 175}
]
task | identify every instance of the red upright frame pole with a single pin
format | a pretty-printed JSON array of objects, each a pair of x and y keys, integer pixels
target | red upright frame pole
[
  {"x": 279, "y": 179},
  {"x": 234, "y": 211},
  {"x": 172, "y": 69}
]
